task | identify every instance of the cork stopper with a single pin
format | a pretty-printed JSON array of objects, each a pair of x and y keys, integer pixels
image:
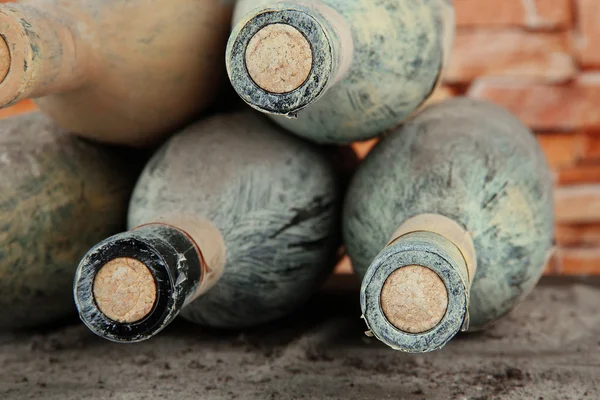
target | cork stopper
[
  {"x": 124, "y": 290},
  {"x": 279, "y": 58},
  {"x": 4, "y": 59},
  {"x": 414, "y": 299}
]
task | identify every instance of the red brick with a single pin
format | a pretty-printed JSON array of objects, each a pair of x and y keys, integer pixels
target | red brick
[
  {"x": 343, "y": 278},
  {"x": 539, "y": 56},
  {"x": 544, "y": 14},
  {"x": 363, "y": 148},
  {"x": 546, "y": 107},
  {"x": 561, "y": 149},
  {"x": 441, "y": 93},
  {"x": 577, "y": 204},
  {"x": 578, "y": 235},
  {"x": 591, "y": 147},
  {"x": 587, "y": 38},
  {"x": 578, "y": 174},
  {"x": 580, "y": 262}
]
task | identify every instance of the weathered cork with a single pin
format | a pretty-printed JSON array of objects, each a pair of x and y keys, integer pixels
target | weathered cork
[
  {"x": 279, "y": 58},
  {"x": 414, "y": 299},
  {"x": 4, "y": 59},
  {"x": 124, "y": 290}
]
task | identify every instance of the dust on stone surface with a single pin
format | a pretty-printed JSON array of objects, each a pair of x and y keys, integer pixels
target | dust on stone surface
[{"x": 548, "y": 348}]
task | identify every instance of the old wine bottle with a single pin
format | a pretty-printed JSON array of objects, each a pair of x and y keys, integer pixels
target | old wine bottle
[
  {"x": 349, "y": 69},
  {"x": 59, "y": 195},
  {"x": 450, "y": 223},
  {"x": 125, "y": 72},
  {"x": 233, "y": 223}
]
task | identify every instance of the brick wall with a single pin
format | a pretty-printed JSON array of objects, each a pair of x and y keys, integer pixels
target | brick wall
[{"x": 541, "y": 60}]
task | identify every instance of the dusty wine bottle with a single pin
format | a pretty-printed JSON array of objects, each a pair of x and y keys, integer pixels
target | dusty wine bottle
[
  {"x": 124, "y": 72},
  {"x": 59, "y": 195},
  {"x": 348, "y": 69},
  {"x": 233, "y": 223},
  {"x": 450, "y": 223}
]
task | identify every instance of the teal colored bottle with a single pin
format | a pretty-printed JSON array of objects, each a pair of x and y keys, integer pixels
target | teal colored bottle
[
  {"x": 449, "y": 221},
  {"x": 338, "y": 71},
  {"x": 59, "y": 195},
  {"x": 232, "y": 223}
]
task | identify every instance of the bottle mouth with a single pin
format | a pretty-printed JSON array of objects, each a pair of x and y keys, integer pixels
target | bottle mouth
[
  {"x": 280, "y": 60},
  {"x": 124, "y": 291},
  {"x": 17, "y": 58},
  {"x": 5, "y": 59},
  {"x": 413, "y": 298}
]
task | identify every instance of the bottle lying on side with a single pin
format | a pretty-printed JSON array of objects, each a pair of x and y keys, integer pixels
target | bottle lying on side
[
  {"x": 125, "y": 72},
  {"x": 349, "y": 69},
  {"x": 233, "y": 223},
  {"x": 450, "y": 223},
  {"x": 59, "y": 195}
]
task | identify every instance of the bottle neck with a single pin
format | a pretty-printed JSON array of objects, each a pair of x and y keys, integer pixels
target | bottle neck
[
  {"x": 458, "y": 236},
  {"x": 285, "y": 56},
  {"x": 209, "y": 244},
  {"x": 132, "y": 285},
  {"x": 44, "y": 56},
  {"x": 415, "y": 295},
  {"x": 339, "y": 31}
]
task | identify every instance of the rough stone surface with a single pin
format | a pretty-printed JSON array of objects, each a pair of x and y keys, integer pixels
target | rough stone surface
[{"x": 547, "y": 348}]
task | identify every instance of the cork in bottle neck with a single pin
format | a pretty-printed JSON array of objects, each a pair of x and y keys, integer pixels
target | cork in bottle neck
[
  {"x": 285, "y": 56},
  {"x": 125, "y": 290},
  {"x": 132, "y": 285},
  {"x": 415, "y": 294},
  {"x": 414, "y": 299},
  {"x": 279, "y": 58}
]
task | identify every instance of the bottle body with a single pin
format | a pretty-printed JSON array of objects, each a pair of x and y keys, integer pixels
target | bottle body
[
  {"x": 272, "y": 197},
  {"x": 129, "y": 72},
  {"x": 475, "y": 164},
  {"x": 59, "y": 195},
  {"x": 391, "y": 54}
]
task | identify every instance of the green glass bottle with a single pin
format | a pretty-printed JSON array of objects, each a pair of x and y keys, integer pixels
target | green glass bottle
[
  {"x": 58, "y": 196},
  {"x": 450, "y": 223},
  {"x": 347, "y": 69},
  {"x": 233, "y": 223}
]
